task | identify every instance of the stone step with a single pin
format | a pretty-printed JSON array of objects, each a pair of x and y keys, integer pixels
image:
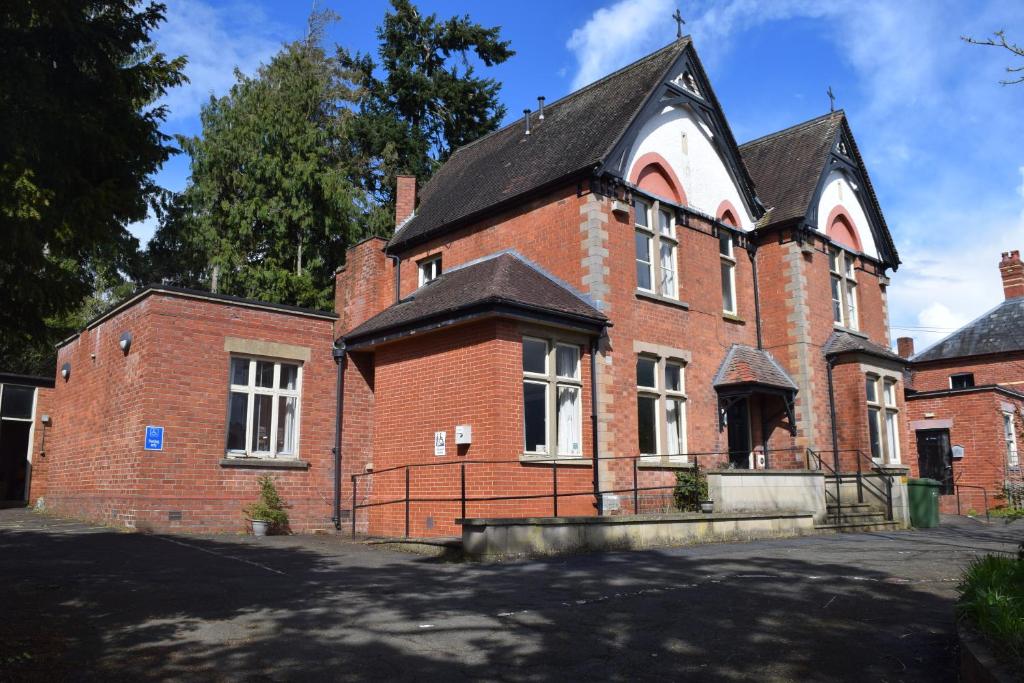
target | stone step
[
  {"x": 857, "y": 517},
  {"x": 856, "y": 527},
  {"x": 851, "y": 506}
]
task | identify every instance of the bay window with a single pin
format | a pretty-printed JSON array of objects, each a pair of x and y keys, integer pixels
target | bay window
[
  {"x": 656, "y": 242},
  {"x": 883, "y": 419},
  {"x": 263, "y": 408},
  {"x": 552, "y": 398}
]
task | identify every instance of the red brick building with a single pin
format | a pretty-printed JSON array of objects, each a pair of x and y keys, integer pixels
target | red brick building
[
  {"x": 966, "y": 401},
  {"x": 611, "y": 284},
  {"x": 614, "y": 277},
  {"x": 24, "y": 419}
]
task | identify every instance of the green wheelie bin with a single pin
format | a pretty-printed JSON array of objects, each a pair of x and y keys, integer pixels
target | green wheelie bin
[{"x": 924, "y": 502}]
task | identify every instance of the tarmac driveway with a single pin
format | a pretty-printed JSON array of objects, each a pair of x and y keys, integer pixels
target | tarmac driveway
[{"x": 87, "y": 603}]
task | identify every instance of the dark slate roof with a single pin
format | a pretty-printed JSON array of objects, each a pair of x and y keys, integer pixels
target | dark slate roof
[
  {"x": 1000, "y": 330},
  {"x": 577, "y": 132},
  {"x": 503, "y": 279},
  {"x": 844, "y": 342},
  {"x": 746, "y": 365},
  {"x": 787, "y": 165}
]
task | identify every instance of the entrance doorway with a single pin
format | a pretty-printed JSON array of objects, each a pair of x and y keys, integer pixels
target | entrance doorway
[
  {"x": 935, "y": 457},
  {"x": 17, "y": 406},
  {"x": 737, "y": 422}
]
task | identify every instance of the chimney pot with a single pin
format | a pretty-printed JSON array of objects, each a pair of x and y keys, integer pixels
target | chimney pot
[
  {"x": 905, "y": 347},
  {"x": 1011, "y": 269},
  {"x": 526, "y": 115},
  {"x": 405, "y": 198},
  {"x": 540, "y": 108}
]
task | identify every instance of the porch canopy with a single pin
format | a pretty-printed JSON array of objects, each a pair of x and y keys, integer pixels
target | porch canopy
[{"x": 745, "y": 372}]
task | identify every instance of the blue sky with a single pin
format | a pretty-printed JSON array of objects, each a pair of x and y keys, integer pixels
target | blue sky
[{"x": 943, "y": 141}]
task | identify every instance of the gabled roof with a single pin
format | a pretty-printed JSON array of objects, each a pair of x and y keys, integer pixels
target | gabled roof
[
  {"x": 843, "y": 342},
  {"x": 789, "y": 167},
  {"x": 786, "y": 165},
  {"x": 576, "y": 134},
  {"x": 505, "y": 280},
  {"x": 746, "y": 365},
  {"x": 1000, "y": 330}
]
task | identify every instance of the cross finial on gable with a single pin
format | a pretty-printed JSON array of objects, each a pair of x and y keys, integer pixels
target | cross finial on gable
[
  {"x": 831, "y": 100},
  {"x": 679, "y": 23}
]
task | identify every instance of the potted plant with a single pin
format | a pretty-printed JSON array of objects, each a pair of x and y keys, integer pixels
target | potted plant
[
  {"x": 691, "y": 491},
  {"x": 267, "y": 513}
]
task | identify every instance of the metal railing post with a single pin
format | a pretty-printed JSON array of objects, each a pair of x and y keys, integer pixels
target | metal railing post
[
  {"x": 984, "y": 493},
  {"x": 462, "y": 484},
  {"x": 353, "y": 506},
  {"x": 860, "y": 478},
  {"x": 407, "y": 501},
  {"x": 636, "y": 493},
  {"x": 956, "y": 487},
  {"x": 554, "y": 485},
  {"x": 888, "y": 497}
]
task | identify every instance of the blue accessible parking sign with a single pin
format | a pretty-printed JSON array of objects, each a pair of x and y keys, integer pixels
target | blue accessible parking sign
[{"x": 154, "y": 438}]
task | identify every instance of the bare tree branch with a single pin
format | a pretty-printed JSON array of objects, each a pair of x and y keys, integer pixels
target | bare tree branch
[{"x": 999, "y": 40}]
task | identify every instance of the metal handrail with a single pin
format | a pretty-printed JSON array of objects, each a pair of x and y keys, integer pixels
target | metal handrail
[
  {"x": 872, "y": 465},
  {"x": 984, "y": 492},
  {"x": 555, "y": 494}
]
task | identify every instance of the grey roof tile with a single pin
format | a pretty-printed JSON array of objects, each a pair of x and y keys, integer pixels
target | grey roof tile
[
  {"x": 505, "y": 278},
  {"x": 840, "y": 342},
  {"x": 746, "y": 365},
  {"x": 1000, "y": 330}
]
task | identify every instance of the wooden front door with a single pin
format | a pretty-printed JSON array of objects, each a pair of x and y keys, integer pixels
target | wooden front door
[{"x": 935, "y": 457}]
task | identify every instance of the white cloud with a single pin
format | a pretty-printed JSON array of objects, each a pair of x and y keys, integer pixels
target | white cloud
[
  {"x": 617, "y": 35},
  {"x": 216, "y": 38}
]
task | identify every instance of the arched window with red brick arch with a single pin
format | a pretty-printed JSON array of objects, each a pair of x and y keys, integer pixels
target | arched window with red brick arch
[{"x": 842, "y": 230}]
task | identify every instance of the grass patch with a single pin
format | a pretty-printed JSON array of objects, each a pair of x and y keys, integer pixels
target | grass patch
[
  {"x": 992, "y": 601},
  {"x": 1009, "y": 514}
]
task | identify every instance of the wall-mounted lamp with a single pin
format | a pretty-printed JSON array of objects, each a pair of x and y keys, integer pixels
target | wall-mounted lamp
[
  {"x": 46, "y": 420},
  {"x": 126, "y": 342},
  {"x": 65, "y": 371}
]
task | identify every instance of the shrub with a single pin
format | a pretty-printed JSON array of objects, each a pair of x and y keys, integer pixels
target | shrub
[
  {"x": 691, "y": 488},
  {"x": 1007, "y": 513},
  {"x": 992, "y": 600},
  {"x": 269, "y": 507}
]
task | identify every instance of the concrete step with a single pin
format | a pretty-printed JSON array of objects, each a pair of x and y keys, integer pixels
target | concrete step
[
  {"x": 861, "y": 517},
  {"x": 856, "y": 507},
  {"x": 856, "y": 527}
]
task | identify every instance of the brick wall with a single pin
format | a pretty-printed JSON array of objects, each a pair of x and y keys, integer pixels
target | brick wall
[
  {"x": 975, "y": 422},
  {"x": 1005, "y": 369},
  {"x": 44, "y": 405},
  {"x": 176, "y": 376}
]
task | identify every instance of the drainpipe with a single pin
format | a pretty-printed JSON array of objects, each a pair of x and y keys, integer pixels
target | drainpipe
[
  {"x": 593, "y": 426},
  {"x": 396, "y": 261},
  {"x": 757, "y": 299},
  {"x": 835, "y": 439},
  {"x": 339, "y": 358}
]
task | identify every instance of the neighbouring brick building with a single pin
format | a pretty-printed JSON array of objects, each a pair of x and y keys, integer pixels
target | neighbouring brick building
[
  {"x": 610, "y": 283},
  {"x": 24, "y": 419},
  {"x": 965, "y": 403}
]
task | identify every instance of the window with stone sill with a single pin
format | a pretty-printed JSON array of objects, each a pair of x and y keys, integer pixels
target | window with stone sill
[
  {"x": 656, "y": 249},
  {"x": 661, "y": 408},
  {"x": 844, "y": 287},
  {"x": 263, "y": 408},
  {"x": 552, "y": 398},
  {"x": 1010, "y": 439},
  {"x": 883, "y": 419},
  {"x": 727, "y": 256}
]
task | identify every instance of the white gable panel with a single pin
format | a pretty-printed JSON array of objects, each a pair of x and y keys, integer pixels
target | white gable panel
[
  {"x": 839, "y": 191},
  {"x": 685, "y": 143}
]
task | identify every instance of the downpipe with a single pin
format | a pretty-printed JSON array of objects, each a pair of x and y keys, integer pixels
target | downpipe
[{"x": 338, "y": 352}]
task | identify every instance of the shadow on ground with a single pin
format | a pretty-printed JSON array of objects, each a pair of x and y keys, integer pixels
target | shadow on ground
[{"x": 98, "y": 604}]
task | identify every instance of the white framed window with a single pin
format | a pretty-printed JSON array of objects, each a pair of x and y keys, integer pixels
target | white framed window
[
  {"x": 552, "y": 398},
  {"x": 661, "y": 407},
  {"x": 728, "y": 259},
  {"x": 961, "y": 380},
  {"x": 429, "y": 269},
  {"x": 657, "y": 249},
  {"x": 1010, "y": 437},
  {"x": 842, "y": 272},
  {"x": 263, "y": 408},
  {"x": 883, "y": 419}
]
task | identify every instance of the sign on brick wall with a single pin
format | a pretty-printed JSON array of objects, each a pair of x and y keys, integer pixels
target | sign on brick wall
[
  {"x": 154, "y": 438},
  {"x": 440, "y": 439}
]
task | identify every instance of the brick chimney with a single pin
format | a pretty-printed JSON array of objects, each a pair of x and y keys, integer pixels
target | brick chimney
[
  {"x": 362, "y": 287},
  {"x": 905, "y": 346},
  {"x": 1012, "y": 270},
  {"x": 405, "y": 198}
]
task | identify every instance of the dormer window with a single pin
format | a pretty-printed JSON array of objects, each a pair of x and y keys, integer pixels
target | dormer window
[{"x": 430, "y": 269}]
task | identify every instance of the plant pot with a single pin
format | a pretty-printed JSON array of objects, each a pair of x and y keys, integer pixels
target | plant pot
[
  {"x": 260, "y": 527},
  {"x": 707, "y": 506}
]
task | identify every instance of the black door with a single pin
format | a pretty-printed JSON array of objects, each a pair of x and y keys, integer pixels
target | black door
[
  {"x": 737, "y": 421},
  {"x": 935, "y": 457},
  {"x": 13, "y": 459}
]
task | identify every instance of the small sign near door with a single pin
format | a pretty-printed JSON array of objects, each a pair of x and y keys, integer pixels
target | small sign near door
[
  {"x": 440, "y": 438},
  {"x": 154, "y": 438}
]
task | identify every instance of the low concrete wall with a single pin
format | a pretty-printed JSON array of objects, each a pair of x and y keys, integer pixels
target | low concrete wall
[
  {"x": 497, "y": 539},
  {"x": 768, "y": 491}
]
